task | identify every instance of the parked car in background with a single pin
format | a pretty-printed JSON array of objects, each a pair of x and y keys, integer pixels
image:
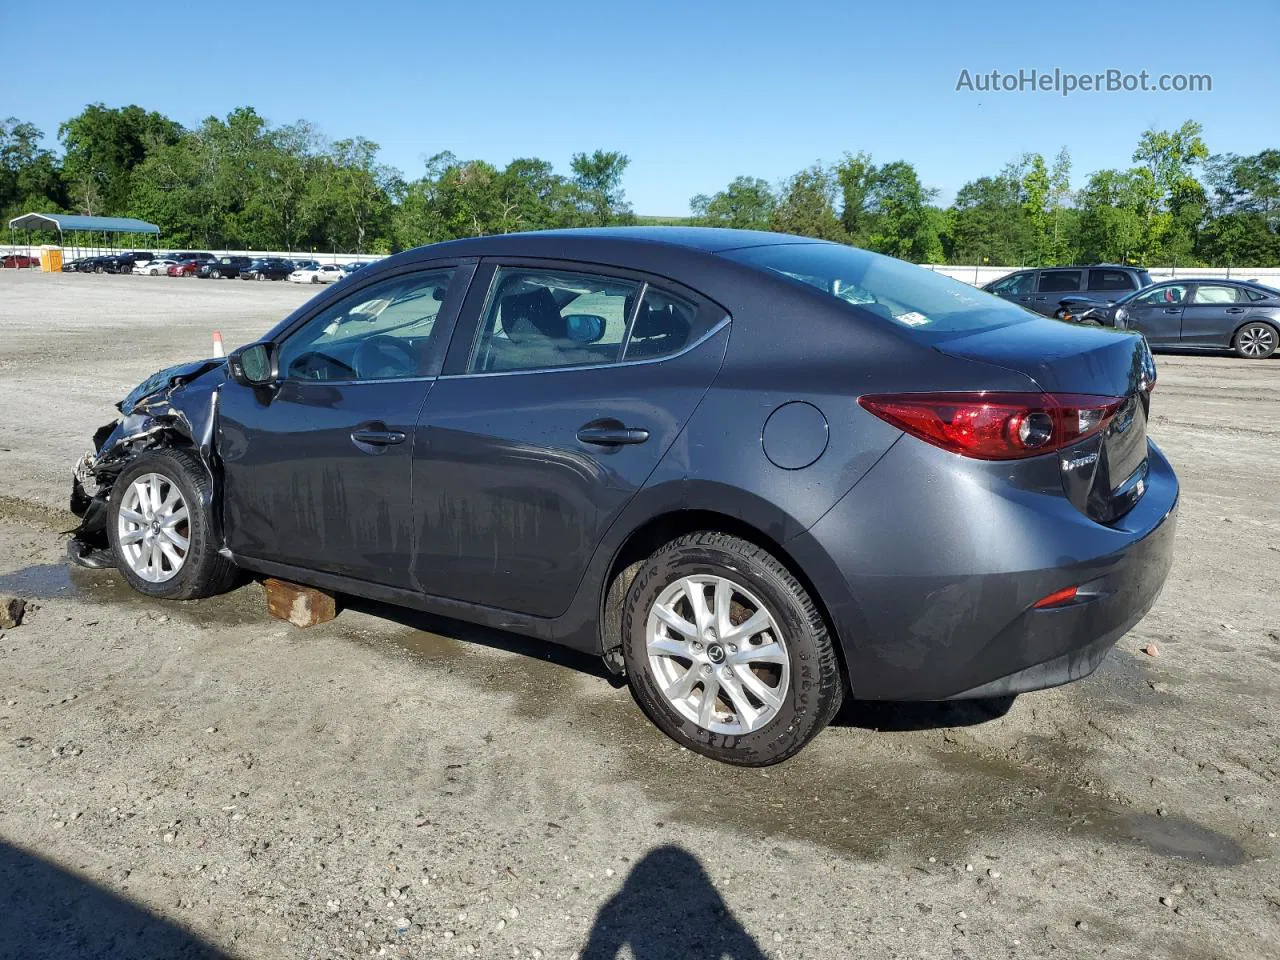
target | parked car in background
[
  {"x": 1200, "y": 313},
  {"x": 350, "y": 268},
  {"x": 190, "y": 255},
  {"x": 222, "y": 268},
  {"x": 18, "y": 261},
  {"x": 1042, "y": 290},
  {"x": 73, "y": 266},
  {"x": 269, "y": 268},
  {"x": 184, "y": 268},
  {"x": 124, "y": 262},
  {"x": 323, "y": 273},
  {"x": 603, "y": 438},
  {"x": 306, "y": 264},
  {"x": 154, "y": 268}
]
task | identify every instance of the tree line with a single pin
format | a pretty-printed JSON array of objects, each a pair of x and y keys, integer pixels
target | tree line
[{"x": 241, "y": 183}]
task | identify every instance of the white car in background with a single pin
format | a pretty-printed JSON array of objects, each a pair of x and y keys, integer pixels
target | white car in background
[
  {"x": 153, "y": 268},
  {"x": 325, "y": 273}
]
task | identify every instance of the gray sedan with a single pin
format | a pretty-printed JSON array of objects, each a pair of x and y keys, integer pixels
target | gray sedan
[{"x": 1205, "y": 314}]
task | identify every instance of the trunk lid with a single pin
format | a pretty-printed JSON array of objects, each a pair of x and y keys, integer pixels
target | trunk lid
[{"x": 1105, "y": 474}]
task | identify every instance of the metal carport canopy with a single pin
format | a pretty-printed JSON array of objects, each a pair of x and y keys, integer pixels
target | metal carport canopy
[{"x": 66, "y": 221}]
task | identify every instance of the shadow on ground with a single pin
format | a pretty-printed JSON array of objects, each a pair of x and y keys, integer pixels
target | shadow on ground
[
  {"x": 668, "y": 909},
  {"x": 48, "y": 912}
]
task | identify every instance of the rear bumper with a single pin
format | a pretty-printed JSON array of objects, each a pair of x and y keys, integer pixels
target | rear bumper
[{"x": 931, "y": 566}]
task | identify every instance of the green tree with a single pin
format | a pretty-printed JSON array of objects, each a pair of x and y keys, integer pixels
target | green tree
[
  {"x": 746, "y": 203},
  {"x": 598, "y": 177},
  {"x": 807, "y": 205},
  {"x": 103, "y": 145}
]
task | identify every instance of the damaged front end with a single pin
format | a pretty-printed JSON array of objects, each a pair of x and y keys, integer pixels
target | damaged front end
[{"x": 175, "y": 407}]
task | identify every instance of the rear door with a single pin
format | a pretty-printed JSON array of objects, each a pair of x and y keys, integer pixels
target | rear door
[
  {"x": 564, "y": 386},
  {"x": 1052, "y": 287},
  {"x": 1111, "y": 284},
  {"x": 1157, "y": 313},
  {"x": 1212, "y": 313}
]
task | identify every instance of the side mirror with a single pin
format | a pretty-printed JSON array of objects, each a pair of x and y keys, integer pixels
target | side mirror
[
  {"x": 584, "y": 327},
  {"x": 254, "y": 365}
]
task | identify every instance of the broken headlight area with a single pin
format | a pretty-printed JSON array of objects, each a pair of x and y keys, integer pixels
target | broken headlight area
[{"x": 159, "y": 412}]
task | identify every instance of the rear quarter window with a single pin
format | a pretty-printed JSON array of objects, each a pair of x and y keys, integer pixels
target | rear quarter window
[{"x": 898, "y": 293}]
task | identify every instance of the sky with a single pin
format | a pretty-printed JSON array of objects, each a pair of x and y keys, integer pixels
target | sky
[{"x": 695, "y": 93}]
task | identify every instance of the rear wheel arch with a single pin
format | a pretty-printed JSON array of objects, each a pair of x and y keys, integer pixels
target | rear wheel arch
[{"x": 1254, "y": 321}]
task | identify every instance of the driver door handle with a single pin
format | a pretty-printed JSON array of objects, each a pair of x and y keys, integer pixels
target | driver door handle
[
  {"x": 611, "y": 434},
  {"x": 377, "y": 438}
]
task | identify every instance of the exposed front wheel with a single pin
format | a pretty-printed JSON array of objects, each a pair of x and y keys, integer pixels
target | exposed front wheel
[
  {"x": 160, "y": 531},
  {"x": 726, "y": 652},
  {"x": 1255, "y": 341}
]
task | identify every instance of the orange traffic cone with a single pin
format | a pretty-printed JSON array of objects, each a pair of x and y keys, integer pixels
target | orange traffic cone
[{"x": 217, "y": 344}]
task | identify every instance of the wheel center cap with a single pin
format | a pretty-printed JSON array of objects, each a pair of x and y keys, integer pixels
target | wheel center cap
[
  {"x": 715, "y": 653},
  {"x": 155, "y": 526}
]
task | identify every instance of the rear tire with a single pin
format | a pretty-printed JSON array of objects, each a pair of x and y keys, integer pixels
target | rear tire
[
  {"x": 1256, "y": 340},
  {"x": 771, "y": 690},
  {"x": 170, "y": 571}
]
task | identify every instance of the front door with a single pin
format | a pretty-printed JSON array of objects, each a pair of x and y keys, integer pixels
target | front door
[
  {"x": 559, "y": 408},
  {"x": 1157, "y": 313},
  {"x": 318, "y": 468}
]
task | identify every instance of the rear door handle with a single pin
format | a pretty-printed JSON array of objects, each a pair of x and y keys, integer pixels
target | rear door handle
[
  {"x": 377, "y": 438},
  {"x": 609, "y": 435},
  {"x": 1235, "y": 309},
  {"x": 1172, "y": 309}
]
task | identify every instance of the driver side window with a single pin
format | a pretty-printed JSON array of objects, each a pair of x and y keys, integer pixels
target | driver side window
[
  {"x": 382, "y": 332},
  {"x": 1163, "y": 296}
]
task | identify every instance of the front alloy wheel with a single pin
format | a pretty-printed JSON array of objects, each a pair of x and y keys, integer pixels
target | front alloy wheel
[{"x": 153, "y": 528}]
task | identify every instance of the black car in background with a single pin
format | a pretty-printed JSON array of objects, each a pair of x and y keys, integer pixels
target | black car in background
[
  {"x": 268, "y": 268},
  {"x": 228, "y": 267},
  {"x": 1200, "y": 313},
  {"x": 1043, "y": 290}
]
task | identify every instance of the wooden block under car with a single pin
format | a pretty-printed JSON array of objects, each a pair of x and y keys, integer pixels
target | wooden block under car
[{"x": 301, "y": 606}]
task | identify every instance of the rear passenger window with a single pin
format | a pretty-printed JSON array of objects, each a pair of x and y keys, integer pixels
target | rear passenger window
[
  {"x": 542, "y": 319},
  {"x": 663, "y": 326},
  {"x": 1110, "y": 280},
  {"x": 1209, "y": 294},
  {"x": 1059, "y": 281}
]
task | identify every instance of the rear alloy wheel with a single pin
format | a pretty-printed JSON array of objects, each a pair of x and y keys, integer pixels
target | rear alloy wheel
[
  {"x": 215, "y": 274},
  {"x": 1256, "y": 341},
  {"x": 727, "y": 653},
  {"x": 160, "y": 531}
]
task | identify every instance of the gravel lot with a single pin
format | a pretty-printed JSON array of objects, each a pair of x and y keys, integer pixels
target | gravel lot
[{"x": 197, "y": 779}]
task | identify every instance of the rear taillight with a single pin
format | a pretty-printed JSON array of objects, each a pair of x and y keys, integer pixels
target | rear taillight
[{"x": 996, "y": 426}]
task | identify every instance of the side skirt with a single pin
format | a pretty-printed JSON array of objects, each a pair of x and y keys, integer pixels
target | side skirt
[{"x": 542, "y": 628}]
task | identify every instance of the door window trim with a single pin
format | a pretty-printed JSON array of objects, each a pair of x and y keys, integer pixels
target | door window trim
[{"x": 468, "y": 328}]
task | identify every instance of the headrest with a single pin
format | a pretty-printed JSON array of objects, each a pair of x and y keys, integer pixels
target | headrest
[
  {"x": 536, "y": 312},
  {"x": 659, "y": 322}
]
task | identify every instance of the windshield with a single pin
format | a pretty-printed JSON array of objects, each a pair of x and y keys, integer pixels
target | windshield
[{"x": 909, "y": 296}]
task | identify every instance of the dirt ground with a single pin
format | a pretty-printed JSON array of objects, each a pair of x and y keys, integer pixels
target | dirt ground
[{"x": 187, "y": 779}]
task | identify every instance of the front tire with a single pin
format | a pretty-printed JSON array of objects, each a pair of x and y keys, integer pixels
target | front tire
[
  {"x": 1255, "y": 341},
  {"x": 160, "y": 532},
  {"x": 727, "y": 653}
]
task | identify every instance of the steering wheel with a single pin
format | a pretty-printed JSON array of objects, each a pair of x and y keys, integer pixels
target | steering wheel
[{"x": 384, "y": 357}]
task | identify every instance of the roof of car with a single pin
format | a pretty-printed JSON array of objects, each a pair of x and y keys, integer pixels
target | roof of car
[{"x": 704, "y": 239}]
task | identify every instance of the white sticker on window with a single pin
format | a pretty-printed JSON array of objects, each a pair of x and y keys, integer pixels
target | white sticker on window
[{"x": 912, "y": 319}]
